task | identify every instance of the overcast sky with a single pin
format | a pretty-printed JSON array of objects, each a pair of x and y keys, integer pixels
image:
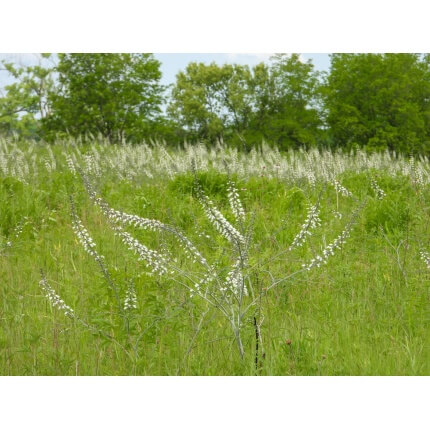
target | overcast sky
[{"x": 171, "y": 64}]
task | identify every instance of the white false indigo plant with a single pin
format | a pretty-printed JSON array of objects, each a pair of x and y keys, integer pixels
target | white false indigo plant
[{"x": 225, "y": 286}]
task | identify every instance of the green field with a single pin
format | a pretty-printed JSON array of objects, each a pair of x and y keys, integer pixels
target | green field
[{"x": 365, "y": 312}]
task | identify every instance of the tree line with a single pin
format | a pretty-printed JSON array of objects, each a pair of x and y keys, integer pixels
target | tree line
[{"x": 372, "y": 101}]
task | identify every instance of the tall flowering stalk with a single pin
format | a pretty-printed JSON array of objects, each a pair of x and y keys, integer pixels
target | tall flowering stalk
[
  {"x": 121, "y": 218},
  {"x": 330, "y": 249},
  {"x": 312, "y": 221},
  {"x": 416, "y": 173},
  {"x": 218, "y": 220},
  {"x": 84, "y": 238},
  {"x": 157, "y": 262},
  {"x": 379, "y": 192},
  {"x": 235, "y": 203},
  {"x": 90, "y": 247},
  {"x": 130, "y": 302},
  {"x": 54, "y": 299},
  {"x": 341, "y": 189}
]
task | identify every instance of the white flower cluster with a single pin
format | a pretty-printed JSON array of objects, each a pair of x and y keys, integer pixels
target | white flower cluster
[
  {"x": 119, "y": 217},
  {"x": 425, "y": 256},
  {"x": 235, "y": 281},
  {"x": 84, "y": 237},
  {"x": 55, "y": 300},
  {"x": 155, "y": 260},
  {"x": 70, "y": 164},
  {"x": 137, "y": 162},
  {"x": 18, "y": 229},
  {"x": 130, "y": 301},
  {"x": 328, "y": 250},
  {"x": 341, "y": 189},
  {"x": 416, "y": 173},
  {"x": 312, "y": 221},
  {"x": 310, "y": 176},
  {"x": 419, "y": 178},
  {"x": 190, "y": 250},
  {"x": 206, "y": 280},
  {"x": 380, "y": 193},
  {"x": 219, "y": 222},
  {"x": 48, "y": 166},
  {"x": 92, "y": 165},
  {"x": 235, "y": 203}
]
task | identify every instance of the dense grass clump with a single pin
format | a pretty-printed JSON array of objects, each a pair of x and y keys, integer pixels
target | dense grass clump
[{"x": 365, "y": 312}]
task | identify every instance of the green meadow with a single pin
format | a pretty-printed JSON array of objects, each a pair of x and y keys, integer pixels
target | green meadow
[{"x": 363, "y": 311}]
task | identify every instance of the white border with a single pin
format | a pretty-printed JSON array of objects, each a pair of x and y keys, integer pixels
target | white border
[
  {"x": 214, "y": 403},
  {"x": 244, "y": 26}
]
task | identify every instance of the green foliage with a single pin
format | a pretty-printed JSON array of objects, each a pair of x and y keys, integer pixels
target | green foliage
[
  {"x": 286, "y": 96},
  {"x": 115, "y": 95},
  {"x": 209, "y": 99},
  {"x": 276, "y": 102},
  {"x": 213, "y": 182},
  {"x": 25, "y": 102},
  {"x": 379, "y": 101}
]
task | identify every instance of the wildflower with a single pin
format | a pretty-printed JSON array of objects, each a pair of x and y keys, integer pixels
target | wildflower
[
  {"x": 312, "y": 221},
  {"x": 329, "y": 250},
  {"x": 119, "y": 217},
  {"x": 341, "y": 189},
  {"x": 155, "y": 260},
  {"x": 425, "y": 256},
  {"x": 219, "y": 222},
  {"x": 70, "y": 164},
  {"x": 84, "y": 237},
  {"x": 380, "y": 193},
  {"x": 209, "y": 277},
  {"x": 55, "y": 300},
  {"x": 235, "y": 281},
  {"x": 130, "y": 301},
  {"x": 235, "y": 203}
]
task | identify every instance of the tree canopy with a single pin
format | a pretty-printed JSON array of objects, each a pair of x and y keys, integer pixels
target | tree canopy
[
  {"x": 373, "y": 101},
  {"x": 116, "y": 95},
  {"x": 208, "y": 100},
  {"x": 273, "y": 102},
  {"x": 380, "y": 101},
  {"x": 286, "y": 96},
  {"x": 25, "y": 101}
]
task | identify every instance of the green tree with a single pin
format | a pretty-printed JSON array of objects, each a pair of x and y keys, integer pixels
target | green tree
[
  {"x": 115, "y": 95},
  {"x": 379, "y": 101},
  {"x": 286, "y": 98},
  {"x": 210, "y": 101},
  {"x": 274, "y": 102},
  {"x": 24, "y": 103}
]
